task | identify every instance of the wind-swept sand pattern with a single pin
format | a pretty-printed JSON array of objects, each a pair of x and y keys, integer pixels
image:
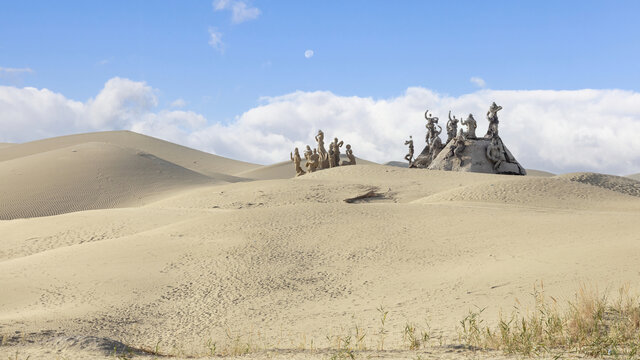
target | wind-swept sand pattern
[{"x": 287, "y": 264}]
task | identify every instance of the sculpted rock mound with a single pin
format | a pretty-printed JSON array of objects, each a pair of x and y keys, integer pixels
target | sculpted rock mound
[
  {"x": 475, "y": 157},
  {"x": 466, "y": 152}
]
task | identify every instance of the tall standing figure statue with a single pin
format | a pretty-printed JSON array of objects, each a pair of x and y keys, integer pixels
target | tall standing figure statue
[
  {"x": 471, "y": 125},
  {"x": 409, "y": 156},
  {"x": 452, "y": 127},
  {"x": 431, "y": 127},
  {"x": 332, "y": 158},
  {"x": 324, "y": 157},
  {"x": 336, "y": 151},
  {"x": 295, "y": 157},
  {"x": 492, "y": 116}
]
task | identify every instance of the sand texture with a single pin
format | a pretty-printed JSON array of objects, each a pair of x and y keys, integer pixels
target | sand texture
[
  {"x": 634, "y": 176},
  {"x": 146, "y": 253}
]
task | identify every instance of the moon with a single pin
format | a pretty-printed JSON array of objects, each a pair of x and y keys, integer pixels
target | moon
[{"x": 308, "y": 54}]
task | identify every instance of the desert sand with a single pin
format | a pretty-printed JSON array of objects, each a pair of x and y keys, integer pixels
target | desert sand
[{"x": 113, "y": 240}]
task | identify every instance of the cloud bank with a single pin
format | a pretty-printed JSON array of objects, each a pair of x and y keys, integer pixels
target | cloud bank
[{"x": 558, "y": 131}]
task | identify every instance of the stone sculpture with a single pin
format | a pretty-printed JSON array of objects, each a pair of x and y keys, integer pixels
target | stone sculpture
[
  {"x": 409, "y": 156},
  {"x": 471, "y": 125},
  {"x": 313, "y": 162},
  {"x": 435, "y": 148},
  {"x": 349, "y": 153},
  {"x": 319, "y": 158},
  {"x": 307, "y": 153},
  {"x": 466, "y": 152},
  {"x": 458, "y": 146},
  {"x": 332, "y": 158},
  {"x": 324, "y": 156},
  {"x": 295, "y": 157},
  {"x": 492, "y": 116},
  {"x": 452, "y": 127},
  {"x": 431, "y": 127},
  {"x": 336, "y": 151},
  {"x": 495, "y": 152}
]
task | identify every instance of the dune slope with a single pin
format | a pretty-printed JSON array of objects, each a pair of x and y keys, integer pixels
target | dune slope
[
  {"x": 277, "y": 264},
  {"x": 198, "y": 161},
  {"x": 87, "y": 176}
]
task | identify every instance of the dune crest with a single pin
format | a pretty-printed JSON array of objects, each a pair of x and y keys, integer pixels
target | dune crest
[{"x": 195, "y": 160}]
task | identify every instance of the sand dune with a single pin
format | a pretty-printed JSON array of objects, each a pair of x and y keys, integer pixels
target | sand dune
[
  {"x": 88, "y": 176},
  {"x": 5, "y": 145},
  {"x": 541, "y": 173},
  {"x": 634, "y": 176},
  {"x": 614, "y": 183},
  {"x": 283, "y": 266},
  {"x": 198, "y": 161}
]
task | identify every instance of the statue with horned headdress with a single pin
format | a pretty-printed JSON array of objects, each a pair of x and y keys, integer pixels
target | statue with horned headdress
[
  {"x": 492, "y": 116},
  {"x": 432, "y": 122}
]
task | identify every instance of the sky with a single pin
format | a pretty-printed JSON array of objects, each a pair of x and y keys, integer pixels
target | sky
[{"x": 268, "y": 74}]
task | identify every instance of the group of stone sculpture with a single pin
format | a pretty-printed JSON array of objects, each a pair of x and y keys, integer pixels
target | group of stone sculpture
[
  {"x": 458, "y": 142},
  {"x": 319, "y": 158}
]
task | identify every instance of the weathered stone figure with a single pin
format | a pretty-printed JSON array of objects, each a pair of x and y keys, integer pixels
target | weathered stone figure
[
  {"x": 295, "y": 157},
  {"x": 314, "y": 160},
  {"x": 431, "y": 127},
  {"x": 495, "y": 152},
  {"x": 332, "y": 158},
  {"x": 324, "y": 157},
  {"x": 409, "y": 156},
  {"x": 349, "y": 153},
  {"x": 452, "y": 127},
  {"x": 336, "y": 151},
  {"x": 492, "y": 116},
  {"x": 434, "y": 134},
  {"x": 458, "y": 147},
  {"x": 307, "y": 153},
  {"x": 471, "y": 125},
  {"x": 435, "y": 148}
]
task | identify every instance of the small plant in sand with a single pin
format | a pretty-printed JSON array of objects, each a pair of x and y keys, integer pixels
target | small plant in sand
[
  {"x": 237, "y": 346},
  {"x": 590, "y": 325},
  {"x": 413, "y": 338},
  {"x": 382, "y": 332},
  {"x": 471, "y": 332},
  {"x": 211, "y": 347},
  {"x": 17, "y": 356}
]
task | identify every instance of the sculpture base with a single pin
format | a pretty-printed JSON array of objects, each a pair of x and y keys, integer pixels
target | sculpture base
[{"x": 473, "y": 158}]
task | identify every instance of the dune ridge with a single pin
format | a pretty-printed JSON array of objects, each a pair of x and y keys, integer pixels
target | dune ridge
[{"x": 195, "y": 160}]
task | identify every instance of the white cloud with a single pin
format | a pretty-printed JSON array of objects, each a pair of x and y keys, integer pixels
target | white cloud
[
  {"x": 479, "y": 82},
  {"x": 240, "y": 11},
  {"x": 215, "y": 39},
  {"x": 178, "y": 103},
  {"x": 14, "y": 71},
  {"x": 559, "y": 131},
  {"x": 308, "y": 54}
]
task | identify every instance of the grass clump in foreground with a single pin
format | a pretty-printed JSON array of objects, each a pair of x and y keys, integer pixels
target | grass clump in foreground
[{"x": 591, "y": 324}]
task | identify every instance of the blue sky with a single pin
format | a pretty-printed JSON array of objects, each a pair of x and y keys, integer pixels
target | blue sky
[
  {"x": 212, "y": 74},
  {"x": 362, "y": 48}
]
